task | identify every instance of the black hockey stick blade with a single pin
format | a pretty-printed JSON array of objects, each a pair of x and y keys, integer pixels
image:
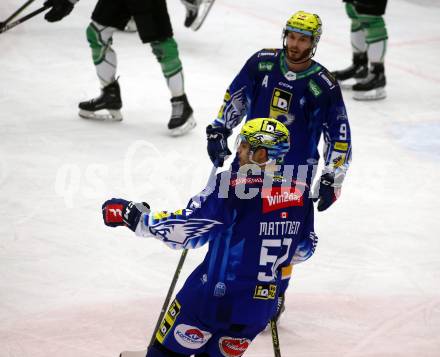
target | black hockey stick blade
[
  {"x": 20, "y": 9},
  {"x": 23, "y": 19},
  {"x": 198, "y": 22}
]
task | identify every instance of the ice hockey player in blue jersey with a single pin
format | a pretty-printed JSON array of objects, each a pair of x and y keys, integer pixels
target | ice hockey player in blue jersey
[
  {"x": 255, "y": 221},
  {"x": 286, "y": 84}
]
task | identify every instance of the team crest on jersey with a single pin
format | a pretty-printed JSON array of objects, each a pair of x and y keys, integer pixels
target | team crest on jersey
[{"x": 280, "y": 103}]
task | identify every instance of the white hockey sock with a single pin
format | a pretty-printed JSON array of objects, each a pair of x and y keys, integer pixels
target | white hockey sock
[
  {"x": 376, "y": 51},
  {"x": 358, "y": 43},
  {"x": 175, "y": 84}
]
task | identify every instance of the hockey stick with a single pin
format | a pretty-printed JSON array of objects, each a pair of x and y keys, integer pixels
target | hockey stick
[
  {"x": 169, "y": 294},
  {"x": 275, "y": 338},
  {"x": 20, "y": 9},
  {"x": 23, "y": 19},
  {"x": 178, "y": 269}
]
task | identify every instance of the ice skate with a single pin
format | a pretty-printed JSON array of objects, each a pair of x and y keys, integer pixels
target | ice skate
[
  {"x": 192, "y": 10},
  {"x": 182, "y": 119},
  {"x": 196, "y": 12},
  {"x": 373, "y": 86},
  {"x": 105, "y": 107},
  {"x": 353, "y": 74}
]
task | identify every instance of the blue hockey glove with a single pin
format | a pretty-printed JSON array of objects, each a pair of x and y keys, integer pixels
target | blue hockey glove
[
  {"x": 59, "y": 9},
  {"x": 218, "y": 144},
  {"x": 118, "y": 212},
  {"x": 328, "y": 190}
]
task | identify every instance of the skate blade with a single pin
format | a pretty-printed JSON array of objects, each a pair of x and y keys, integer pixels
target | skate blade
[
  {"x": 374, "y": 94},
  {"x": 204, "y": 8},
  {"x": 181, "y": 130},
  {"x": 349, "y": 83},
  {"x": 102, "y": 115},
  {"x": 133, "y": 353}
]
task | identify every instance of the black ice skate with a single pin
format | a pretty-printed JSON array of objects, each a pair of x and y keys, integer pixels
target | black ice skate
[
  {"x": 192, "y": 10},
  {"x": 182, "y": 119},
  {"x": 196, "y": 12},
  {"x": 105, "y": 107},
  {"x": 373, "y": 86},
  {"x": 355, "y": 73}
]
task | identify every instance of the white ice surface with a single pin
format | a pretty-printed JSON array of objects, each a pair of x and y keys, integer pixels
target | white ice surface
[{"x": 71, "y": 287}]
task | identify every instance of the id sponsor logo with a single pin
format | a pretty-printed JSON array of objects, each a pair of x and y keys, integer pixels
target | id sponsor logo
[
  {"x": 265, "y": 292},
  {"x": 276, "y": 198},
  {"x": 280, "y": 102},
  {"x": 191, "y": 337},
  {"x": 233, "y": 347}
]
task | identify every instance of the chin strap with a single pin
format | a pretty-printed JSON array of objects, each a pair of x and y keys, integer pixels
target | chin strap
[{"x": 251, "y": 153}]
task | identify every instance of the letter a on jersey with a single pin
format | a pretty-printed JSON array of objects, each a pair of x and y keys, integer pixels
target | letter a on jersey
[{"x": 265, "y": 81}]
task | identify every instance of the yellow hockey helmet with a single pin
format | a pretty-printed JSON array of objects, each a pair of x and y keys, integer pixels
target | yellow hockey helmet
[
  {"x": 267, "y": 133},
  {"x": 306, "y": 23}
]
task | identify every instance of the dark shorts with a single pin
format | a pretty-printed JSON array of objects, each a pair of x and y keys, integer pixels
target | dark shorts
[
  {"x": 369, "y": 7},
  {"x": 183, "y": 333},
  {"x": 151, "y": 17}
]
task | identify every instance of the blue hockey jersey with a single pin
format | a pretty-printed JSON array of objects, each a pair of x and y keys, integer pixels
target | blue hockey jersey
[
  {"x": 309, "y": 103},
  {"x": 253, "y": 224}
]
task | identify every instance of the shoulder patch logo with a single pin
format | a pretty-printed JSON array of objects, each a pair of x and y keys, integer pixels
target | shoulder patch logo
[
  {"x": 330, "y": 80},
  {"x": 314, "y": 88}
]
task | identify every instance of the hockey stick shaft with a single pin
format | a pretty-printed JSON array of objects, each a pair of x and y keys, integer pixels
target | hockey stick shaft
[
  {"x": 169, "y": 294},
  {"x": 20, "y": 9},
  {"x": 23, "y": 19},
  {"x": 275, "y": 338},
  {"x": 178, "y": 270}
]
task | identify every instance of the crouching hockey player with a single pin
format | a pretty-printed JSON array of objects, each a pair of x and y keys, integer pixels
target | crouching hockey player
[{"x": 255, "y": 222}]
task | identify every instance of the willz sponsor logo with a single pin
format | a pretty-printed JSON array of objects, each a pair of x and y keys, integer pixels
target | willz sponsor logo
[{"x": 233, "y": 347}]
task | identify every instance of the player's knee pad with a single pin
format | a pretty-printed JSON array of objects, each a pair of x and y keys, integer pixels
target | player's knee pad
[
  {"x": 100, "y": 40},
  {"x": 374, "y": 27},
  {"x": 167, "y": 54},
  {"x": 353, "y": 15}
]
